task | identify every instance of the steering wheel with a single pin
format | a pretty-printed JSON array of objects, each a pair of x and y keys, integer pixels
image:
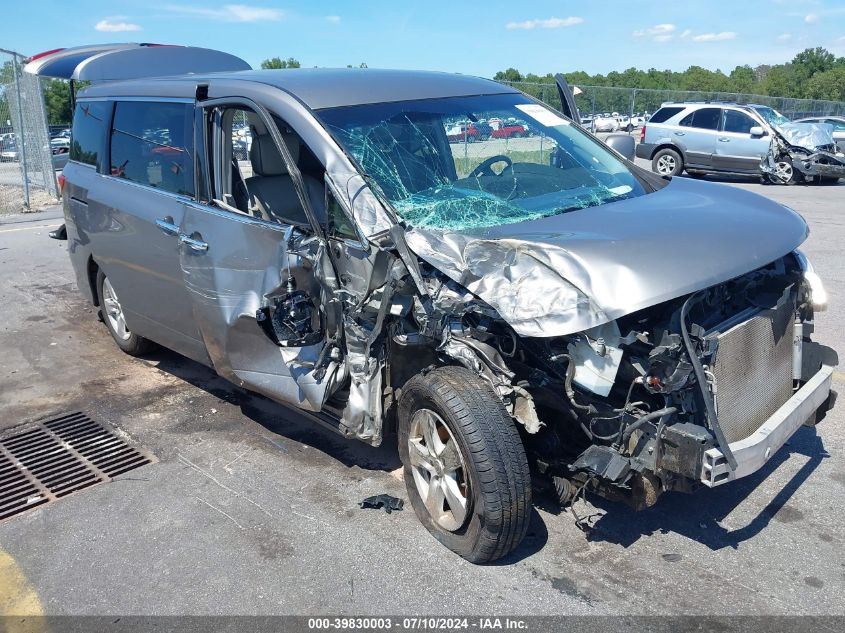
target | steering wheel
[{"x": 485, "y": 167}]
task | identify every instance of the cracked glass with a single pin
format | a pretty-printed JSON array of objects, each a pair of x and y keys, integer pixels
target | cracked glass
[{"x": 472, "y": 162}]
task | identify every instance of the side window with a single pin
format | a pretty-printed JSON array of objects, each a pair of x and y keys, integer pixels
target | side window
[
  {"x": 738, "y": 122},
  {"x": 254, "y": 176},
  {"x": 703, "y": 118},
  {"x": 339, "y": 225},
  {"x": 664, "y": 114},
  {"x": 89, "y": 128},
  {"x": 152, "y": 144},
  {"x": 838, "y": 126}
]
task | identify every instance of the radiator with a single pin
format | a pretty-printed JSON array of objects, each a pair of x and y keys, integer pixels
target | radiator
[{"x": 752, "y": 367}]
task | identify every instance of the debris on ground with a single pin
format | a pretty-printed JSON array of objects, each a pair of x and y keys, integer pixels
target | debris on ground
[{"x": 383, "y": 501}]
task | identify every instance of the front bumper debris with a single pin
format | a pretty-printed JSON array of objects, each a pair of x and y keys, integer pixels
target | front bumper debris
[{"x": 754, "y": 451}]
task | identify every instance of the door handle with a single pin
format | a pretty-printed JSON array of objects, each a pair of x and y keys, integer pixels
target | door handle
[
  {"x": 680, "y": 133},
  {"x": 724, "y": 140},
  {"x": 194, "y": 243},
  {"x": 167, "y": 226}
]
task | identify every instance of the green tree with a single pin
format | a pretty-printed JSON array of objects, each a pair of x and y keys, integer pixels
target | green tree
[
  {"x": 742, "y": 79},
  {"x": 810, "y": 74},
  {"x": 278, "y": 62},
  {"x": 511, "y": 74},
  {"x": 57, "y": 100},
  {"x": 829, "y": 84}
]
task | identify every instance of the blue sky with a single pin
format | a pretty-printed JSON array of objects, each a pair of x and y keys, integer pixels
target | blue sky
[{"x": 469, "y": 37}]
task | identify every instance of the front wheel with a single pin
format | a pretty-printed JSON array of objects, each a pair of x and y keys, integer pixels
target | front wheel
[
  {"x": 464, "y": 464},
  {"x": 785, "y": 173}
]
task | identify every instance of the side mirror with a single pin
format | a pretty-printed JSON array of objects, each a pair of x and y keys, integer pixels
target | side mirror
[
  {"x": 622, "y": 144},
  {"x": 757, "y": 131}
]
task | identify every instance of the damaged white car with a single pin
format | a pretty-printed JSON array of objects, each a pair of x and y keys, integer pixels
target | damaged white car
[{"x": 542, "y": 309}]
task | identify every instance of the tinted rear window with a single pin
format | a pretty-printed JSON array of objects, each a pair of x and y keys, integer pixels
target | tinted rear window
[
  {"x": 152, "y": 144},
  {"x": 663, "y": 114},
  {"x": 89, "y": 126}
]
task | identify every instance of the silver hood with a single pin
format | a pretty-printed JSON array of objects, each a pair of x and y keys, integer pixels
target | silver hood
[
  {"x": 808, "y": 135},
  {"x": 573, "y": 271}
]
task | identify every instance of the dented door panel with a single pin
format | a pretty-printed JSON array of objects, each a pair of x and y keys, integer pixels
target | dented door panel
[{"x": 246, "y": 265}]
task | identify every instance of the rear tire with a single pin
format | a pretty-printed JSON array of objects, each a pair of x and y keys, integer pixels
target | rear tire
[
  {"x": 112, "y": 314},
  {"x": 667, "y": 162},
  {"x": 481, "y": 458}
]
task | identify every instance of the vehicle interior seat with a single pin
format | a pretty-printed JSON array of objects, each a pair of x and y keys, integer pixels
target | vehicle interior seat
[{"x": 272, "y": 195}]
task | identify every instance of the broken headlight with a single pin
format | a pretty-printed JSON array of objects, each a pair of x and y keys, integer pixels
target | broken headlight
[{"x": 818, "y": 295}]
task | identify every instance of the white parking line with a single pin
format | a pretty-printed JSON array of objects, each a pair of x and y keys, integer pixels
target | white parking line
[{"x": 30, "y": 228}]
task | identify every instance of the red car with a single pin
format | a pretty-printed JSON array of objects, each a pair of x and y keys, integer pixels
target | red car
[
  {"x": 462, "y": 132},
  {"x": 508, "y": 130}
]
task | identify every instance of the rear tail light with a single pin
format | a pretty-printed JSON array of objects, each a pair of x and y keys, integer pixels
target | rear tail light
[
  {"x": 642, "y": 134},
  {"x": 61, "y": 181}
]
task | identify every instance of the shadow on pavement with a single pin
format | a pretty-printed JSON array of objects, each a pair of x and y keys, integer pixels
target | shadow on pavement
[
  {"x": 699, "y": 516},
  {"x": 282, "y": 420}
]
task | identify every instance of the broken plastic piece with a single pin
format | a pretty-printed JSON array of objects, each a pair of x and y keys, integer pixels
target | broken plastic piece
[{"x": 383, "y": 501}]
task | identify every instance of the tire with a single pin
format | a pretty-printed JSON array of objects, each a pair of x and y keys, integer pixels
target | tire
[
  {"x": 490, "y": 466},
  {"x": 667, "y": 162},
  {"x": 785, "y": 173},
  {"x": 129, "y": 342}
]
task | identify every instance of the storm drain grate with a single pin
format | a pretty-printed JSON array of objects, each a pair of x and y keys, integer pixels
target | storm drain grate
[{"x": 59, "y": 456}]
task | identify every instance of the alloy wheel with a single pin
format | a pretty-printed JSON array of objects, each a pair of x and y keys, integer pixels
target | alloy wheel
[
  {"x": 666, "y": 165},
  {"x": 114, "y": 313},
  {"x": 783, "y": 171},
  {"x": 439, "y": 470}
]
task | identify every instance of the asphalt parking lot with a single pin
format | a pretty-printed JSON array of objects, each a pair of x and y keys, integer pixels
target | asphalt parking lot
[{"x": 251, "y": 509}]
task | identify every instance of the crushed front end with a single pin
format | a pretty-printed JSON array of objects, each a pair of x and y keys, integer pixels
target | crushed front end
[
  {"x": 694, "y": 391},
  {"x": 800, "y": 152}
]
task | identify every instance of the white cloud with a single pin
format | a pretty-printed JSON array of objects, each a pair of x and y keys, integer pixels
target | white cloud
[
  {"x": 686, "y": 33},
  {"x": 811, "y": 18},
  {"x": 548, "y": 23},
  {"x": 784, "y": 37},
  {"x": 116, "y": 25},
  {"x": 714, "y": 37},
  {"x": 657, "y": 33},
  {"x": 334, "y": 19},
  {"x": 230, "y": 12}
]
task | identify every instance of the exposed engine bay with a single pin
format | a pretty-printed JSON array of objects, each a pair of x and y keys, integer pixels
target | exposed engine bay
[{"x": 627, "y": 408}]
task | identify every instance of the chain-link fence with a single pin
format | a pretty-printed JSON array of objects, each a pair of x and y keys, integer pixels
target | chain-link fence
[
  {"x": 27, "y": 176},
  {"x": 595, "y": 100}
]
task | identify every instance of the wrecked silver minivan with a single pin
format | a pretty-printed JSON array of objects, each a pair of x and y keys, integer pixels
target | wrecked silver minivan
[{"x": 532, "y": 307}]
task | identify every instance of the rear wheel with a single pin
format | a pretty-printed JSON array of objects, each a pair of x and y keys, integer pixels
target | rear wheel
[
  {"x": 464, "y": 464},
  {"x": 667, "y": 162},
  {"x": 115, "y": 320}
]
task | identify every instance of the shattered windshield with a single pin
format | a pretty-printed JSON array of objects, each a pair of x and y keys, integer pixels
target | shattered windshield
[
  {"x": 772, "y": 116},
  {"x": 473, "y": 162}
]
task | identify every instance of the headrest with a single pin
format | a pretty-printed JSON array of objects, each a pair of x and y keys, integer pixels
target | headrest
[{"x": 265, "y": 157}]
